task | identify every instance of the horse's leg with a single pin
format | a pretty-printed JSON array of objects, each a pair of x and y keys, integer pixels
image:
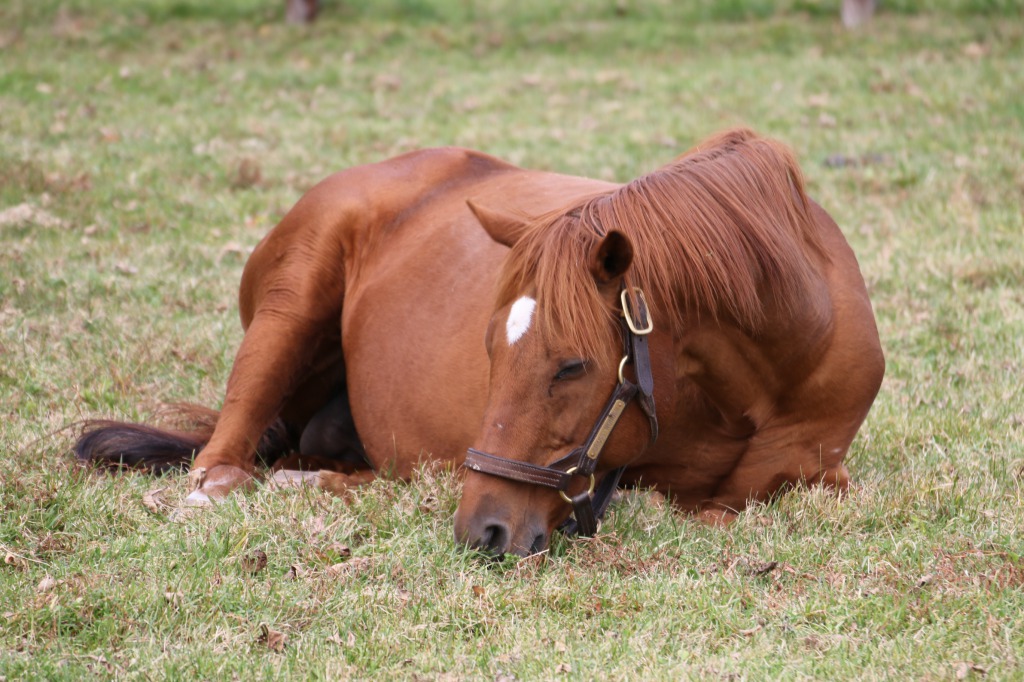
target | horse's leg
[
  {"x": 331, "y": 434},
  {"x": 717, "y": 517},
  {"x": 290, "y": 301},
  {"x": 772, "y": 464},
  {"x": 276, "y": 352},
  {"x": 339, "y": 484}
]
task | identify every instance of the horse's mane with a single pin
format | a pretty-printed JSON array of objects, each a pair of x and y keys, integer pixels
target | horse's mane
[{"x": 714, "y": 232}]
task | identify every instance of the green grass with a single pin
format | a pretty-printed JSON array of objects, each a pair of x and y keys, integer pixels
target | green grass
[{"x": 155, "y": 141}]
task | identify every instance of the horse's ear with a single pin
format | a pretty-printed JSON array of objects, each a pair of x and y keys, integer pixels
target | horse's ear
[
  {"x": 504, "y": 227},
  {"x": 611, "y": 257}
]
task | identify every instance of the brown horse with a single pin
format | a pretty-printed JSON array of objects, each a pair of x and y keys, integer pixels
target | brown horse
[{"x": 704, "y": 330}]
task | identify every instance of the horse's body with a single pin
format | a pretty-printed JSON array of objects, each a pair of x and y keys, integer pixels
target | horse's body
[{"x": 382, "y": 280}]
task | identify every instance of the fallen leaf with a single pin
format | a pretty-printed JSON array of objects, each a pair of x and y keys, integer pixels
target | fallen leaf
[
  {"x": 815, "y": 643},
  {"x": 338, "y": 550},
  {"x": 296, "y": 571},
  {"x": 152, "y": 500},
  {"x": 27, "y": 214},
  {"x": 479, "y": 591},
  {"x": 386, "y": 81},
  {"x": 272, "y": 639},
  {"x": 317, "y": 525},
  {"x": 47, "y": 584},
  {"x": 819, "y": 100},
  {"x": 173, "y": 597},
  {"x": 102, "y": 661},
  {"x": 247, "y": 174},
  {"x": 761, "y": 568},
  {"x": 964, "y": 669},
  {"x": 563, "y": 668},
  {"x": 975, "y": 50},
  {"x": 184, "y": 514},
  {"x": 14, "y": 561},
  {"x": 349, "y": 641},
  {"x": 254, "y": 561},
  {"x": 925, "y": 579},
  {"x": 349, "y": 567}
]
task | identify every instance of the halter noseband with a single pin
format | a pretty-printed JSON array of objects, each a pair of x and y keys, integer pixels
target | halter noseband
[{"x": 589, "y": 506}]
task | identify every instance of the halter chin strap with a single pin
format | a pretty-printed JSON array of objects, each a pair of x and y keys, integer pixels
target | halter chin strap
[{"x": 590, "y": 505}]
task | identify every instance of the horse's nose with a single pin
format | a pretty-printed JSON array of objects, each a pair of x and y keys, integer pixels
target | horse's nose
[
  {"x": 495, "y": 537},
  {"x": 490, "y": 536}
]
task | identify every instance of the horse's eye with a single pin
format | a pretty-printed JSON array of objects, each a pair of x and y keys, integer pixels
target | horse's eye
[{"x": 571, "y": 369}]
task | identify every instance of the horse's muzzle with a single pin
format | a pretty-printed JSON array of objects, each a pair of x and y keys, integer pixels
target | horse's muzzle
[{"x": 496, "y": 536}]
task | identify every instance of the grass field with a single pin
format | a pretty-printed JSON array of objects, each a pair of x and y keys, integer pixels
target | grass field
[{"x": 147, "y": 145}]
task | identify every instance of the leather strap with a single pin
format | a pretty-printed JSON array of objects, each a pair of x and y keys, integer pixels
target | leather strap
[
  {"x": 585, "y": 515},
  {"x": 594, "y": 445},
  {"x": 516, "y": 471},
  {"x": 601, "y": 499},
  {"x": 645, "y": 381},
  {"x": 639, "y": 352}
]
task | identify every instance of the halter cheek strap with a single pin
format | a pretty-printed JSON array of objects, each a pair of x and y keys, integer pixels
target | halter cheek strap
[{"x": 590, "y": 505}]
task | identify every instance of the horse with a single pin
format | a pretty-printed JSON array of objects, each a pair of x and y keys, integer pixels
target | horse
[{"x": 703, "y": 330}]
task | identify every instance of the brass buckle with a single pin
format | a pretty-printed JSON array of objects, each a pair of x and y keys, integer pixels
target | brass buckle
[
  {"x": 589, "y": 492},
  {"x": 624, "y": 297}
]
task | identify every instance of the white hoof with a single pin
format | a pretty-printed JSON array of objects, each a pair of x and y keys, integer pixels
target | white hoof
[
  {"x": 197, "y": 498},
  {"x": 287, "y": 478}
]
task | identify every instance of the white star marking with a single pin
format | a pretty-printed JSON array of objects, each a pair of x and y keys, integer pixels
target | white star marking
[{"x": 519, "y": 318}]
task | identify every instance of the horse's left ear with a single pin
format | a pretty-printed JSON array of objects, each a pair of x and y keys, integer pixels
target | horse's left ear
[
  {"x": 504, "y": 227},
  {"x": 611, "y": 257}
]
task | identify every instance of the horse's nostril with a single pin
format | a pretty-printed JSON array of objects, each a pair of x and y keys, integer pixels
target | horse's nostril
[
  {"x": 540, "y": 543},
  {"x": 494, "y": 539}
]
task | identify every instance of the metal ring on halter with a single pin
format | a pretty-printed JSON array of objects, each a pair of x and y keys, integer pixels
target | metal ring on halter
[
  {"x": 589, "y": 492},
  {"x": 622, "y": 366}
]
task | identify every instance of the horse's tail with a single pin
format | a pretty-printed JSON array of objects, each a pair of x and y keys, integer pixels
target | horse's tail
[{"x": 122, "y": 445}]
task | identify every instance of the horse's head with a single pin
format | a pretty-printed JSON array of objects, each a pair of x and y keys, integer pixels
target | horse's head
[{"x": 559, "y": 414}]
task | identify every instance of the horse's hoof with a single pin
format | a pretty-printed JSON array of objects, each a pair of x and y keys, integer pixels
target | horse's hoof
[
  {"x": 342, "y": 484},
  {"x": 197, "y": 498},
  {"x": 718, "y": 518},
  {"x": 214, "y": 484},
  {"x": 289, "y": 478}
]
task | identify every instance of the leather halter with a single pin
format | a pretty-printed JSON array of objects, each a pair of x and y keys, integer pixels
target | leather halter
[{"x": 589, "y": 506}]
